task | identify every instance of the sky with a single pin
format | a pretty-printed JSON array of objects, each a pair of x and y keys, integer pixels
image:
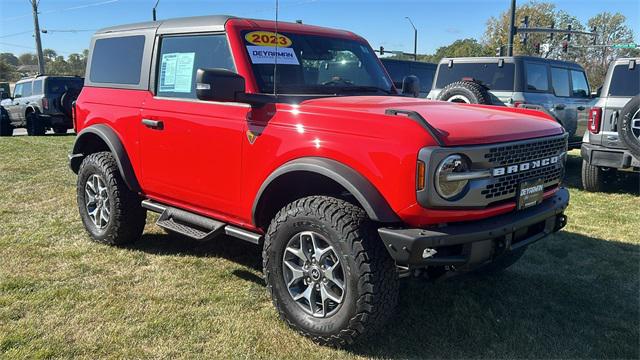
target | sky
[{"x": 70, "y": 23}]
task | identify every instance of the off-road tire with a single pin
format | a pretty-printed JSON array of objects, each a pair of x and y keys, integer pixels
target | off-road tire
[
  {"x": 67, "y": 99},
  {"x": 593, "y": 177},
  {"x": 625, "y": 122},
  {"x": 371, "y": 292},
  {"x": 35, "y": 126},
  {"x": 466, "y": 92},
  {"x": 503, "y": 262},
  {"x": 5, "y": 123},
  {"x": 127, "y": 217}
]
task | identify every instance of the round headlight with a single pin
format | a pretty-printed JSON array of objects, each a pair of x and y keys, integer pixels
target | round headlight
[{"x": 450, "y": 188}]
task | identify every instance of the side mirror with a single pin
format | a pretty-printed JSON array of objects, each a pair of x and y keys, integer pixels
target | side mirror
[
  {"x": 596, "y": 94},
  {"x": 218, "y": 85},
  {"x": 411, "y": 86}
]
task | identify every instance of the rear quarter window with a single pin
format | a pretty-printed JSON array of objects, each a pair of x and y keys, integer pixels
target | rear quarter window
[
  {"x": 489, "y": 74},
  {"x": 37, "y": 87},
  {"x": 537, "y": 77},
  {"x": 560, "y": 81},
  {"x": 117, "y": 60},
  {"x": 625, "y": 82}
]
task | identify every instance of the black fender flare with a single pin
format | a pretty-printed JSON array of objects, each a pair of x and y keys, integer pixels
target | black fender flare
[
  {"x": 367, "y": 195},
  {"x": 112, "y": 140}
]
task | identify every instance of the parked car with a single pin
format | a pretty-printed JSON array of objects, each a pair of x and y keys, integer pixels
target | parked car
[
  {"x": 613, "y": 140},
  {"x": 344, "y": 184},
  {"x": 40, "y": 103},
  {"x": 559, "y": 88},
  {"x": 400, "y": 69}
]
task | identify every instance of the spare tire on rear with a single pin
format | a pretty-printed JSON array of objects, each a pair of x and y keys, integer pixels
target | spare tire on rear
[
  {"x": 629, "y": 125},
  {"x": 468, "y": 92},
  {"x": 67, "y": 99}
]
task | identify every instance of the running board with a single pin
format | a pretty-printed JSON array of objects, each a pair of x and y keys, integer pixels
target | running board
[{"x": 196, "y": 226}]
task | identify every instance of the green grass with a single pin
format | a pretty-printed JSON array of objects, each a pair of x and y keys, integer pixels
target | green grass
[{"x": 573, "y": 295}]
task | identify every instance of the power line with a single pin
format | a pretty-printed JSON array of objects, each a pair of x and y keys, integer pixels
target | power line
[
  {"x": 15, "y": 34},
  {"x": 78, "y": 7}
]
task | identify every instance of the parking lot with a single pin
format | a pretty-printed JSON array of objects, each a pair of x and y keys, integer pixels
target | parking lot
[{"x": 574, "y": 295}]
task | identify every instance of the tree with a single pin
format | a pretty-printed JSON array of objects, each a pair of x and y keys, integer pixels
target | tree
[
  {"x": 460, "y": 48},
  {"x": 10, "y": 59},
  {"x": 28, "y": 59},
  {"x": 611, "y": 29},
  {"x": 49, "y": 54}
]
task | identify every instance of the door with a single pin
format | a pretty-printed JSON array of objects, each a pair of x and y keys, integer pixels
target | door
[
  {"x": 581, "y": 97},
  {"x": 19, "y": 103},
  {"x": 563, "y": 106},
  {"x": 191, "y": 149}
]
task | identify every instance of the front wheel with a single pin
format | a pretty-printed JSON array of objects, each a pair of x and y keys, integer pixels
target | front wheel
[
  {"x": 111, "y": 213},
  {"x": 329, "y": 275}
]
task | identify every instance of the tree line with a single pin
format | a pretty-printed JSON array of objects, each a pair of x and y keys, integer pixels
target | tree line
[{"x": 13, "y": 67}]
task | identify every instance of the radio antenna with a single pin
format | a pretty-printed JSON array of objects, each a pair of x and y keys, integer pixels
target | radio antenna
[{"x": 275, "y": 63}]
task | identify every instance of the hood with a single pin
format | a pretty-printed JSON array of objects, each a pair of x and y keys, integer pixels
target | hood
[{"x": 457, "y": 124}]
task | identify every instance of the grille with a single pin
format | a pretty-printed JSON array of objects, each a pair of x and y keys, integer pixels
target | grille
[
  {"x": 508, "y": 184},
  {"x": 519, "y": 153}
]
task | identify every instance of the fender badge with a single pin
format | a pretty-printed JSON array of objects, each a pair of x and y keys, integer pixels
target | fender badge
[{"x": 251, "y": 137}]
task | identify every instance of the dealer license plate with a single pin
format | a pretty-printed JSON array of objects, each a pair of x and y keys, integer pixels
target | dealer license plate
[{"x": 530, "y": 193}]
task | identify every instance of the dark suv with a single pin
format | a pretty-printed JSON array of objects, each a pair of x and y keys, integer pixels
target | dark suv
[
  {"x": 40, "y": 103},
  {"x": 559, "y": 88}
]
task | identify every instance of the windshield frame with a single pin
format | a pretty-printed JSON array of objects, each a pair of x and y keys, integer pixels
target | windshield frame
[{"x": 319, "y": 90}]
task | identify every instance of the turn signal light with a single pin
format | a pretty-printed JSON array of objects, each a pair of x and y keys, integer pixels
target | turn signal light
[
  {"x": 45, "y": 103},
  {"x": 420, "y": 178},
  {"x": 595, "y": 115}
]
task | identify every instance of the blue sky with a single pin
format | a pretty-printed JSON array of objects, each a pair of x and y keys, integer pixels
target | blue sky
[{"x": 439, "y": 22}]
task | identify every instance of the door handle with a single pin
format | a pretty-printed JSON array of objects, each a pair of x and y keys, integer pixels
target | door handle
[
  {"x": 560, "y": 106},
  {"x": 580, "y": 108},
  {"x": 153, "y": 124}
]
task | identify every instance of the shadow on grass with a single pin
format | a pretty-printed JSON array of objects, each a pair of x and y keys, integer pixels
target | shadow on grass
[
  {"x": 571, "y": 296},
  {"x": 617, "y": 181}
]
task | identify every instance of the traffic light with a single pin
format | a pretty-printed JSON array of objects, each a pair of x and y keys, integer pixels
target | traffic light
[
  {"x": 565, "y": 46},
  {"x": 381, "y": 50},
  {"x": 537, "y": 47},
  {"x": 594, "y": 30},
  {"x": 568, "y": 33}
]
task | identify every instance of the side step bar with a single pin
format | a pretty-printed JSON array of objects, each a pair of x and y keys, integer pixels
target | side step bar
[{"x": 196, "y": 226}]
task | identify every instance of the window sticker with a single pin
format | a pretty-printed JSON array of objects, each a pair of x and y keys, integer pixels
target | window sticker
[
  {"x": 268, "y": 55},
  {"x": 267, "y": 38},
  {"x": 176, "y": 72}
]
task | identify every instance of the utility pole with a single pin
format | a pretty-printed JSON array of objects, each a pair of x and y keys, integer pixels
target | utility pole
[
  {"x": 512, "y": 28},
  {"x": 415, "y": 40},
  {"x": 36, "y": 25}
]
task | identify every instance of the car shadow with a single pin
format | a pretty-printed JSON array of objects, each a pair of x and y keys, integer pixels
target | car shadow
[
  {"x": 619, "y": 182},
  {"x": 563, "y": 299}
]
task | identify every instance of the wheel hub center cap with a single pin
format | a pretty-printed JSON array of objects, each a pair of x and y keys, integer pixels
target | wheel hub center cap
[{"x": 315, "y": 274}]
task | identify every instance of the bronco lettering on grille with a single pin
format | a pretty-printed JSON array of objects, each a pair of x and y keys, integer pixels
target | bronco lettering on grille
[{"x": 512, "y": 169}]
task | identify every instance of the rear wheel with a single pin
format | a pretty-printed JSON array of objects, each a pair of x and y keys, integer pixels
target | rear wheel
[
  {"x": 329, "y": 275},
  {"x": 111, "y": 213},
  {"x": 60, "y": 130},
  {"x": 5, "y": 123},
  {"x": 35, "y": 126},
  {"x": 593, "y": 177}
]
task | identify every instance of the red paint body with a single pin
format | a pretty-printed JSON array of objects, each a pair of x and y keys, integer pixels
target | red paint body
[{"x": 181, "y": 165}]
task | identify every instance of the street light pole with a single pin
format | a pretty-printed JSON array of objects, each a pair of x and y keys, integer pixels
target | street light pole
[
  {"x": 36, "y": 25},
  {"x": 415, "y": 39},
  {"x": 512, "y": 28}
]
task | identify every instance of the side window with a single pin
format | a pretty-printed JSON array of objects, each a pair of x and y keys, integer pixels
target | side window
[
  {"x": 37, "y": 87},
  {"x": 117, "y": 60},
  {"x": 17, "y": 92},
  {"x": 537, "y": 77},
  {"x": 579, "y": 85},
  {"x": 560, "y": 81},
  {"x": 625, "y": 81},
  {"x": 26, "y": 89},
  {"x": 182, "y": 56}
]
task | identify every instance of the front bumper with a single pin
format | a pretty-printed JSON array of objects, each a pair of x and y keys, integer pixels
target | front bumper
[
  {"x": 597, "y": 155},
  {"x": 468, "y": 245}
]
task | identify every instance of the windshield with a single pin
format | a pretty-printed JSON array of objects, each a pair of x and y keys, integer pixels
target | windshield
[
  {"x": 61, "y": 85},
  {"x": 309, "y": 64}
]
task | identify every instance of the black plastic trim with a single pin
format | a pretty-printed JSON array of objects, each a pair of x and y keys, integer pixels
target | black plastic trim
[
  {"x": 367, "y": 195},
  {"x": 415, "y": 116},
  {"x": 407, "y": 245},
  {"x": 597, "y": 155},
  {"x": 112, "y": 141}
]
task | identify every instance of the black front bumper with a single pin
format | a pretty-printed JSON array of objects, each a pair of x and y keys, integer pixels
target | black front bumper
[
  {"x": 474, "y": 243},
  {"x": 597, "y": 155}
]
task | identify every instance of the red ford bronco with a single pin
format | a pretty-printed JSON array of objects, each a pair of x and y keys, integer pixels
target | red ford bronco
[{"x": 293, "y": 137}]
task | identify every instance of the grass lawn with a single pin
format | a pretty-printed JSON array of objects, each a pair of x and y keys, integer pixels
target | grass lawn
[{"x": 573, "y": 295}]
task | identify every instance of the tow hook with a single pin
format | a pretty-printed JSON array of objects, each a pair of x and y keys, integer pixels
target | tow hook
[{"x": 561, "y": 221}]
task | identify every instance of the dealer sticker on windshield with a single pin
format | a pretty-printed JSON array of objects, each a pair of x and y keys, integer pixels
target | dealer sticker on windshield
[
  {"x": 268, "y": 55},
  {"x": 530, "y": 193}
]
